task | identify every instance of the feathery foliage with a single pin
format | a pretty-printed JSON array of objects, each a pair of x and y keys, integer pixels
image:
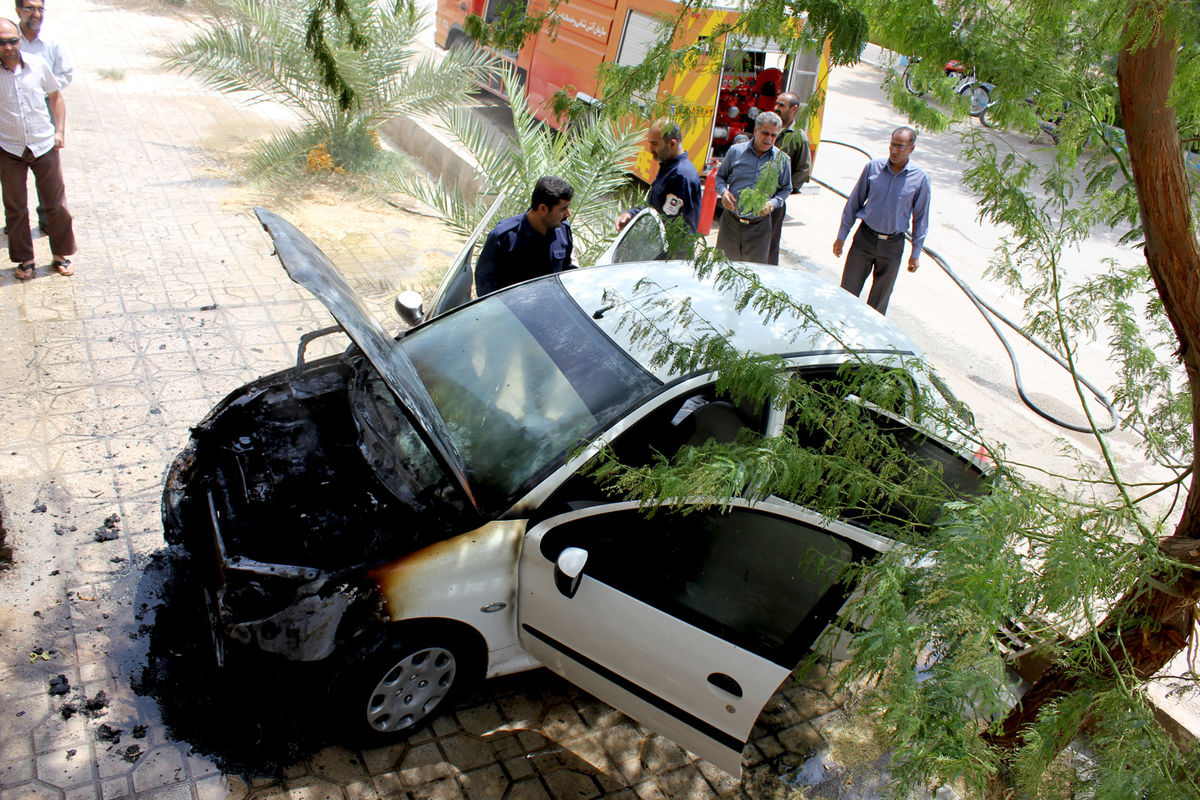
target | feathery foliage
[
  {"x": 1049, "y": 557},
  {"x": 343, "y": 67}
]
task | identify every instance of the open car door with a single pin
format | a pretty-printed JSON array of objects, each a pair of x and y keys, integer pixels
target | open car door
[
  {"x": 456, "y": 285},
  {"x": 687, "y": 623},
  {"x": 644, "y": 238}
]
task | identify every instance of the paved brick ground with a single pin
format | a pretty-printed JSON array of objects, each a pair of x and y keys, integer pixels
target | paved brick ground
[{"x": 177, "y": 301}]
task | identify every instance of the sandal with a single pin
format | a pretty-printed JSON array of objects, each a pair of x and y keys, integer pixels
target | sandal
[
  {"x": 63, "y": 265},
  {"x": 25, "y": 271}
]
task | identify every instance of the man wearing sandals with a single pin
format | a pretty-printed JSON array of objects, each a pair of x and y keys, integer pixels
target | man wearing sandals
[{"x": 30, "y": 140}]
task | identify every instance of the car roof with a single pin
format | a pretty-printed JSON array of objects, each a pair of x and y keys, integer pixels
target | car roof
[{"x": 825, "y": 320}]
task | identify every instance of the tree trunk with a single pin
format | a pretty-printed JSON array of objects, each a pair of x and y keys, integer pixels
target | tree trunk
[{"x": 1155, "y": 619}]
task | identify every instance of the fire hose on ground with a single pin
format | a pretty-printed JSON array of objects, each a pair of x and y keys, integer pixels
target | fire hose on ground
[{"x": 990, "y": 314}]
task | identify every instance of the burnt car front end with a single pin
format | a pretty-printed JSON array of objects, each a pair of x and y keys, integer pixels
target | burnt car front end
[
  {"x": 280, "y": 514},
  {"x": 294, "y": 486}
]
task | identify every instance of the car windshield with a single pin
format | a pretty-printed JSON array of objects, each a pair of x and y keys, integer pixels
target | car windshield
[{"x": 520, "y": 379}]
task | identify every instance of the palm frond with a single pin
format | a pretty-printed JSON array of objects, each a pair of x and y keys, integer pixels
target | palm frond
[
  {"x": 431, "y": 86},
  {"x": 591, "y": 155},
  {"x": 283, "y": 154},
  {"x": 258, "y": 48}
]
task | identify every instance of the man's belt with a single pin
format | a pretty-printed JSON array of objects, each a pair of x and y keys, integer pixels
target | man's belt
[
  {"x": 877, "y": 234},
  {"x": 753, "y": 220}
]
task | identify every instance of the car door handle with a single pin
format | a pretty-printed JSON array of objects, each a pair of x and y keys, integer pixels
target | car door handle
[{"x": 725, "y": 683}]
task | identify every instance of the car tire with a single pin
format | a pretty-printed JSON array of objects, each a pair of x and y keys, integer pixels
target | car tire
[{"x": 399, "y": 681}]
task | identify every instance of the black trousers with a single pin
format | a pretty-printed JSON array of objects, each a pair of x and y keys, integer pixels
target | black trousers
[
  {"x": 777, "y": 217},
  {"x": 871, "y": 254},
  {"x": 744, "y": 241}
]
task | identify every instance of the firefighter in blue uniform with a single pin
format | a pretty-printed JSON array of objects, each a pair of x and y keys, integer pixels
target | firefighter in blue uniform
[
  {"x": 529, "y": 245},
  {"x": 675, "y": 192}
]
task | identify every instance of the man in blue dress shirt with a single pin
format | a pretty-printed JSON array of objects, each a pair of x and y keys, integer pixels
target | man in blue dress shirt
[
  {"x": 675, "y": 192},
  {"x": 745, "y": 233},
  {"x": 889, "y": 192},
  {"x": 529, "y": 245}
]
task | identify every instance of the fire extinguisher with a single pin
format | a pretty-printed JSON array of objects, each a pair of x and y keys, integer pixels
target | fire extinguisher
[{"x": 708, "y": 200}]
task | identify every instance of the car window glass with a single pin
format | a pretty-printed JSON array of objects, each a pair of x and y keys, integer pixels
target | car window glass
[
  {"x": 643, "y": 240},
  {"x": 457, "y": 291},
  {"x": 520, "y": 378},
  {"x": 950, "y": 474},
  {"x": 759, "y": 580},
  {"x": 691, "y": 419}
]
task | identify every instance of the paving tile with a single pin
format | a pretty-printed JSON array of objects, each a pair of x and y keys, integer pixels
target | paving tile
[
  {"x": 360, "y": 790},
  {"x": 724, "y": 784},
  {"x": 34, "y": 790},
  {"x": 115, "y": 789},
  {"x": 89, "y": 792},
  {"x": 480, "y": 719},
  {"x": 313, "y": 788},
  {"x": 162, "y": 766},
  {"x": 441, "y": 789},
  {"x": 571, "y": 784},
  {"x": 380, "y": 759},
  {"x": 661, "y": 755},
  {"x": 530, "y": 789},
  {"x": 219, "y": 787},
  {"x": 422, "y": 764},
  {"x": 687, "y": 783},
  {"x": 800, "y": 739},
  {"x": 337, "y": 764},
  {"x": 488, "y": 783},
  {"x": 650, "y": 790},
  {"x": 65, "y": 768},
  {"x": 518, "y": 768},
  {"x": 388, "y": 785},
  {"x": 466, "y": 752},
  {"x": 16, "y": 772}
]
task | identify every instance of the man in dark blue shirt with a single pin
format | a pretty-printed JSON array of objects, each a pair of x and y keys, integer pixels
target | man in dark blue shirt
[
  {"x": 675, "y": 192},
  {"x": 529, "y": 245},
  {"x": 745, "y": 232},
  {"x": 889, "y": 191}
]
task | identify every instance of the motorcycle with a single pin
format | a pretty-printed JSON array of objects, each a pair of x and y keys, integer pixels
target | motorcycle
[{"x": 977, "y": 92}]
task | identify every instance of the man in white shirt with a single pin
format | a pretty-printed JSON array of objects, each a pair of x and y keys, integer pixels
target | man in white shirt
[
  {"x": 30, "y": 140},
  {"x": 34, "y": 39}
]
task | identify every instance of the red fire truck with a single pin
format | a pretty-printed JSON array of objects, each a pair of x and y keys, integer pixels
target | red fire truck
[{"x": 721, "y": 102}]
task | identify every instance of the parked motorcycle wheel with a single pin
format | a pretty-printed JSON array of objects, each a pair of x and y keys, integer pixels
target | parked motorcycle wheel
[
  {"x": 909, "y": 85},
  {"x": 977, "y": 97},
  {"x": 985, "y": 117}
]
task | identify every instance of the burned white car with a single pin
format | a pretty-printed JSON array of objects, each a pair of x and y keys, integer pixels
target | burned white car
[{"x": 410, "y": 512}]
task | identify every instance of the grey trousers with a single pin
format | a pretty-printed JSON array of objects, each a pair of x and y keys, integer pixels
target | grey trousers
[
  {"x": 868, "y": 253},
  {"x": 744, "y": 241}
]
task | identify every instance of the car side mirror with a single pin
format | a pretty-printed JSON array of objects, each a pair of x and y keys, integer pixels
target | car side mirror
[
  {"x": 568, "y": 570},
  {"x": 408, "y": 307}
]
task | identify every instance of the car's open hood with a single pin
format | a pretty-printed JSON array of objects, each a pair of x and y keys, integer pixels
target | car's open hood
[{"x": 310, "y": 268}]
